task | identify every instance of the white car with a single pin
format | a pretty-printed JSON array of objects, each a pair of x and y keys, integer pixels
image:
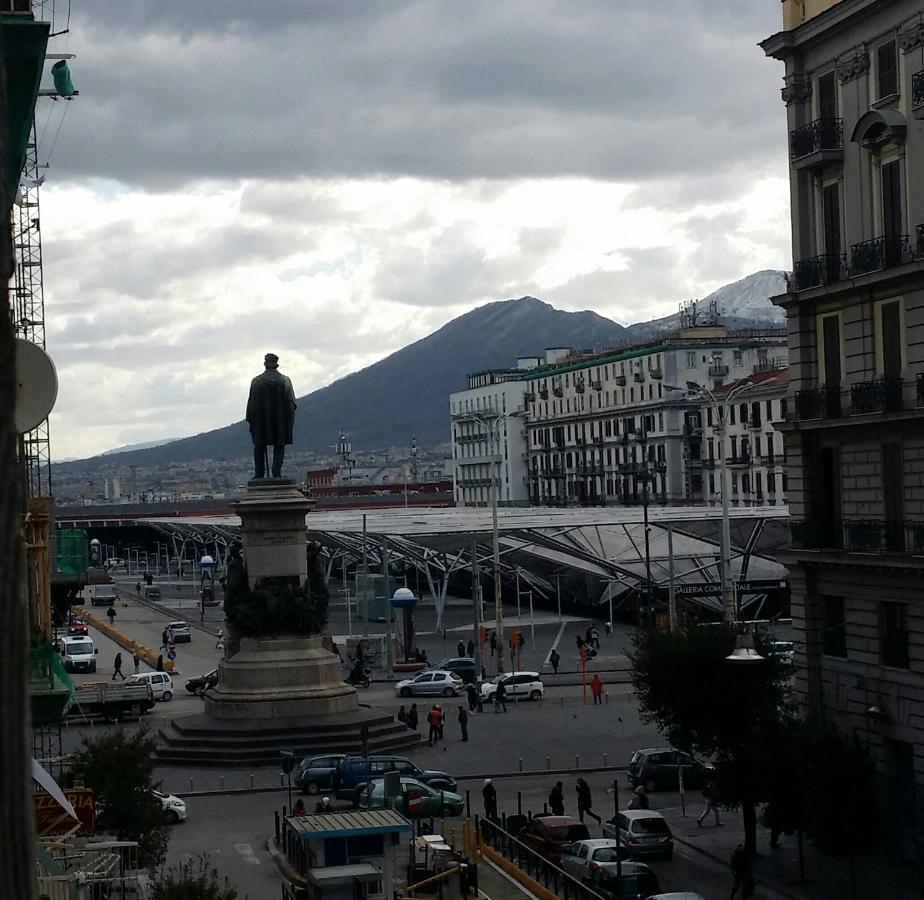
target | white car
[
  {"x": 432, "y": 683},
  {"x": 179, "y": 632},
  {"x": 519, "y": 685},
  {"x": 161, "y": 684},
  {"x": 174, "y": 807},
  {"x": 583, "y": 857}
]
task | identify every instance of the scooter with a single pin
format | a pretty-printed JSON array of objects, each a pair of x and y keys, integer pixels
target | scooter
[{"x": 359, "y": 676}]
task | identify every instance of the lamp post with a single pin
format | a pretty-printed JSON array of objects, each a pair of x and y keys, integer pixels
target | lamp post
[{"x": 490, "y": 420}]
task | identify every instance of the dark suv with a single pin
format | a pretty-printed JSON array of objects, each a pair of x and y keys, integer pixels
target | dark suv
[
  {"x": 354, "y": 771},
  {"x": 463, "y": 666},
  {"x": 315, "y": 773},
  {"x": 658, "y": 770}
]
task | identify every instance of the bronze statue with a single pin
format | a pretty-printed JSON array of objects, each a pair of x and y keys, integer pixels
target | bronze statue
[{"x": 271, "y": 416}]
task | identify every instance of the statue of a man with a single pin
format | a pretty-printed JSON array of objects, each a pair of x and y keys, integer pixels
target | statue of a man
[{"x": 271, "y": 416}]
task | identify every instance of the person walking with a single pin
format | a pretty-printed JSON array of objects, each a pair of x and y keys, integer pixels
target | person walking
[
  {"x": 585, "y": 801},
  {"x": 594, "y": 640},
  {"x": 299, "y": 808},
  {"x": 160, "y": 663},
  {"x": 136, "y": 661},
  {"x": 741, "y": 872},
  {"x": 463, "y": 723},
  {"x": 639, "y": 798},
  {"x": 111, "y": 613},
  {"x": 500, "y": 697},
  {"x": 433, "y": 723},
  {"x": 710, "y": 804},
  {"x": 557, "y": 800},
  {"x": 460, "y": 648},
  {"x": 441, "y": 724},
  {"x": 493, "y": 643},
  {"x": 163, "y": 639},
  {"x": 471, "y": 649},
  {"x": 471, "y": 692},
  {"x": 220, "y": 643},
  {"x": 402, "y": 715},
  {"x": 555, "y": 660},
  {"x": 596, "y": 688},
  {"x": 490, "y": 799},
  {"x": 117, "y": 667},
  {"x": 138, "y": 588},
  {"x": 411, "y": 721}
]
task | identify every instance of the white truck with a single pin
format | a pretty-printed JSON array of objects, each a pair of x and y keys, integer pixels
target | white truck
[
  {"x": 114, "y": 702},
  {"x": 102, "y": 594}
]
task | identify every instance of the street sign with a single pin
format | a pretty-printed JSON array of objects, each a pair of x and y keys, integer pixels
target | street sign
[
  {"x": 51, "y": 819},
  {"x": 705, "y": 589}
]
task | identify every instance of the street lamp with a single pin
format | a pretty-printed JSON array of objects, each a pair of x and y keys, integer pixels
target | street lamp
[{"x": 491, "y": 422}]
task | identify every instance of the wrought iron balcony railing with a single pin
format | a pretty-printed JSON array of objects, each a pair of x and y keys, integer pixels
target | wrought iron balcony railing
[
  {"x": 597, "y": 384},
  {"x": 859, "y": 536},
  {"x": 817, "y": 403},
  {"x": 718, "y": 370},
  {"x": 917, "y": 89},
  {"x": 822, "y": 134},
  {"x": 638, "y": 375},
  {"x": 621, "y": 380},
  {"x": 579, "y": 387},
  {"x": 827, "y": 268},
  {"x": 878, "y": 395},
  {"x": 879, "y": 253}
]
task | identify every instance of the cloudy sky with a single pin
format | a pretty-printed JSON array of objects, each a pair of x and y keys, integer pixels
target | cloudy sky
[{"x": 332, "y": 180}]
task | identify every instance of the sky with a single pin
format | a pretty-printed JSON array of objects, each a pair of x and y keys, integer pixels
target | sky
[{"x": 332, "y": 180}]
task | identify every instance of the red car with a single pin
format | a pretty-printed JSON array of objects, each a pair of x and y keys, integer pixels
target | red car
[
  {"x": 77, "y": 627},
  {"x": 548, "y": 834}
]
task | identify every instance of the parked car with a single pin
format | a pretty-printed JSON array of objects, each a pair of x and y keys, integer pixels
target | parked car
[
  {"x": 583, "y": 857},
  {"x": 77, "y": 654},
  {"x": 316, "y": 773},
  {"x": 161, "y": 684},
  {"x": 637, "y": 881},
  {"x": 463, "y": 666},
  {"x": 415, "y": 800},
  {"x": 354, "y": 771},
  {"x": 431, "y": 683},
  {"x": 201, "y": 683},
  {"x": 78, "y": 627},
  {"x": 180, "y": 632},
  {"x": 520, "y": 686},
  {"x": 174, "y": 807},
  {"x": 657, "y": 769},
  {"x": 547, "y": 835},
  {"x": 643, "y": 832}
]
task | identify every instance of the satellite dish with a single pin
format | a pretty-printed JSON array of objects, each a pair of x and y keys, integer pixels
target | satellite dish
[{"x": 36, "y": 386}]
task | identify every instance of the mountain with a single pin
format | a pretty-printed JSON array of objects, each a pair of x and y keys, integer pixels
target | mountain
[
  {"x": 145, "y": 445},
  {"x": 407, "y": 392}
]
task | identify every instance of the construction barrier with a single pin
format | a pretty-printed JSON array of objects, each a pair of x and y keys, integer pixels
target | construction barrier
[{"x": 123, "y": 640}]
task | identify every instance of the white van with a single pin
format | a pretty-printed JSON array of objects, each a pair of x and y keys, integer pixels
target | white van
[
  {"x": 77, "y": 653},
  {"x": 161, "y": 684}
]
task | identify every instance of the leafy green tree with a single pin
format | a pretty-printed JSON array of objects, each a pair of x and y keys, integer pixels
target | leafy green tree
[
  {"x": 192, "y": 880},
  {"x": 118, "y": 767},
  {"x": 729, "y": 711}
]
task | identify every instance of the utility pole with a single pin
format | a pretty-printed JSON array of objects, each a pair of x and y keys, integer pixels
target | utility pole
[
  {"x": 498, "y": 599},
  {"x": 476, "y": 611}
]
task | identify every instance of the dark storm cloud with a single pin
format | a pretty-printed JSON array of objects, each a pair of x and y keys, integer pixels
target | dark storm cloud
[{"x": 175, "y": 92}]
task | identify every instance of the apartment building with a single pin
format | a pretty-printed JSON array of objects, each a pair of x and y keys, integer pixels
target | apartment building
[
  {"x": 610, "y": 428},
  {"x": 489, "y": 436},
  {"x": 854, "y": 437},
  {"x": 754, "y": 456}
]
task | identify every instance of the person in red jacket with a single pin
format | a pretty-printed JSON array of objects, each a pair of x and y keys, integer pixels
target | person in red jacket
[
  {"x": 435, "y": 721},
  {"x": 596, "y": 687}
]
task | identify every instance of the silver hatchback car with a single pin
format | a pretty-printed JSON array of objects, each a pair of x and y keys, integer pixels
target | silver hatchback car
[{"x": 432, "y": 683}]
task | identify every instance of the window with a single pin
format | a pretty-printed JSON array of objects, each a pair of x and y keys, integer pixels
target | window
[
  {"x": 731, "y": 415},
  {"x": 886, "y": 70},
  {"x": 691, "y": 360},
  {"x": 709, "y": 416},
  {"x": 827, "y": 96},
  {"x": 833, "y": 633},
  {"x": 738, "y": 358},
  {"x": 893, "y": 634},
  {"x": 892, "y": 218}
]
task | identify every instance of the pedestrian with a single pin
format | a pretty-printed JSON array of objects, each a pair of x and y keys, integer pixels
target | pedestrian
[
  {"x": 323, "y": 807},
  {"x": 521, "y": 644},
  {"x": 433, "y": 723},
  {"x": 555, "y": 660},
  {"x": 463, "y": 723},
  {"x": 490, "y": 799},
  {"x": 148, "y": 579},
  {"x": 160, "y": 663},
  {"x": 493, "y": 643},
  {"x": 584, "y": 801},
  {"x": 163, "y": 638},
  {"x": 741, "y": 871},
  {"x": 594, "y": 637},
  {"x": 639, "y": 798},
  {"x": 412, "y": 719},
  {"x": 460, "y": 648},
  {"x": 299, "y": 808},
  {"x": 557, "y": 799},
  {"x": 711, "y": 803},
  {"x": 580, "y": 643},
  {"x": 471, "y": 648},
  {"x": 442, "y": 720},
  {"x": 117, "y": 667},
  {"x": 402, "y": 715},
  {"x": 471, "y": 692},
  {"x": 588, "y": 635},
  {"x": 596, "y": 688},
  {"x": 220, "y": 643},
  {"x": 136, "y": 661},
  {"x": 111, "y": 613},
  {"x": 607, "y": 628},
  {"x": 500, "y": 697},
  {"x": 138, "y": 588}
]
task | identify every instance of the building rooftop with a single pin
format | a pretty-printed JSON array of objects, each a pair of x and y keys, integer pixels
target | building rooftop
[{"x": 373, "y": 821}]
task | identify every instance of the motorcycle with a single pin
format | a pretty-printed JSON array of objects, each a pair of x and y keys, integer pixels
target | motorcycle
[{"x": 359, "y": 676}]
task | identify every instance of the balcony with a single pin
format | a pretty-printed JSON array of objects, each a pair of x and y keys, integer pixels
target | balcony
[
  {"x": 827, "y": 268},
  {"x": 621, "y": 380},
  {"x": 579, "y": 386},
  {"x": 860, "y": 536},
  {"x": 718, "y": 370},
  {"x": 530, "y": 397},
  {"x": 917, "y": 93},
  {"x": 656, "y": 373},
  {"x": 589, "y": 471},
  {"x": 544, "y": 393},
  {"x": 771, "y": 364},
  {"x": 558, "y": 391},
  {"x": 741, "y": 461},
  {"x": 878, "y": 395},
  {"x": 638, "y": 376},
  {"x": 597, "y": 384},
  {"x": 817, "y": 403},
  {"x": 817, "y": 144},
  {"x": 879, "y": 253}
]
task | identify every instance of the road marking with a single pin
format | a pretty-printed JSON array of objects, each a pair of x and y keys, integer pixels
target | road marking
[
  {"x": 246, "y": 851},
  {"x": 561, "y": 631},
  {"x": 511, "y": 879}
]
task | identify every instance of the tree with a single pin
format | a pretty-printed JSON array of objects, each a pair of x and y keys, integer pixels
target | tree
[
  {"x": 118, "y": 767},
  {"x": 729, "y": 711},
  {"x": 192, "y": 880}
]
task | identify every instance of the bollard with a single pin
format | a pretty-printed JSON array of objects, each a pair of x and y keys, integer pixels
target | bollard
[
  {"x": 221, "y": 782},
  {"x": 282, "y": 779},
  {"x": 521, "y": 763},
  {"x": 548, "y": 762},
  {"x": 251, "y": 780},
  {"x": 605, "y": 761},
  {"x": 191, "y": 788},
  {"x": 468, "y": 803},
  {"x": 577, "y": 761},
  {"x": 519, "y": 804},
  {"x": 562, "y": 699},
  {"x": 606, "y": 697}
]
